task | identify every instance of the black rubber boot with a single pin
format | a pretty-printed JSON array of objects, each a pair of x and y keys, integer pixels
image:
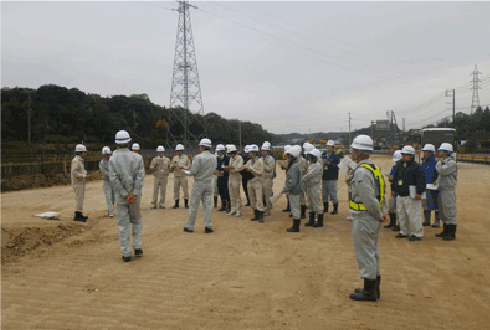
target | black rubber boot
[
  {"x": 319, "y": 221},
  {"x": 368, "y": 293},
  {"x": 215, "y": 201},
  {"x": 392, "y": 221},
  {"x": 437, "y": 223},
  {"x": 311, "y": 222},
  {"x": 295, "y": 227},
  {"x": 256, "y": 216},
  {"x": 451, "y": 233},
  {"x": 248, "y": 202},
  {"x": 261, "y": 216},
  {"x": 427, "y": 219},
  {"x": 325, "y": 207},
  {"x": 186, "y": 203},
  {"x": 79, "y": 217},
  {"x": 378, "y": 293},
  {"x": 303, "y": 211},
  {"x": 223, "y": 205},
  {"x": 335, "y": 209},
  {"x": 396, "y": 228},
  {"x": 228, "y": 207},
  {"x": 287, "y": 207},
  {"x": 176, "y": 206},
  {"x": 444, "y": 231}
]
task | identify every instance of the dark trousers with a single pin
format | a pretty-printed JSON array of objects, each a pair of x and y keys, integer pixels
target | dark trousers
[
  {"x": 223, "y": 191},
  {"x": 244, "y": 186}
]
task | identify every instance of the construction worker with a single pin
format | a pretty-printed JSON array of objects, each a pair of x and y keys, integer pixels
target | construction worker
[
  {"x": 180, "y": 163},
  {"x": 203, "y": 168},
  {"x": 293, "y": 186},
  {"x": 447, "y": 170},
  {"x": 136, "y": 148},
  {"x": 267, "y": 183},
  {"x": 430, "y": 202},
  {"x": 161, "y": 167},
  {"x": 313, "y": 181},
  {"x": 246, "y": 176},
  {"x": 397, "y": 158},
  {"x": 223, "y": 176},
  {"x": 78, "y": 175},
  {"x": 127, "y": 176},
  {"x": 367, "y": 207},
  {"x": 235, "y": 180},
  {"x": 330, "y": 178},
  {"x": 409, "y": 183},
  {"x": 106, "y": 184},
  {"x": 255, "y": 166},
  {"x": 284, "y": 166},
  {"x": 303, "y": 163}
]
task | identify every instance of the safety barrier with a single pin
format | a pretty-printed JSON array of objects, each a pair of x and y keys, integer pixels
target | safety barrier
[{"x": 480, "y": 158}]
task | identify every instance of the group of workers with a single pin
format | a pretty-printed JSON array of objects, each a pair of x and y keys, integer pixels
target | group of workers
[{"x": 430, "y": 185}]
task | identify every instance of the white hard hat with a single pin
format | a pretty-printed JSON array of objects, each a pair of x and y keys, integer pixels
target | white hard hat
[
  {"x": 307, "y": 147},
  {"x": 294, "y": 151},
  {"x": 160, "y": 149},
  {"x": 135, "y": 146},
  {"x": 297, "y": 146},
  {"x": 447, "y": 147},
  {"x": 408, "y": 150},
  {"x": 205, "y": 142},
  {"x": 230, "y": 148},
  {"x": 122, "y": 137},
  {"x": 397, "y": 155},
  {"x": 362, "y": 142},
  {"x": 315, "y": 152},
  {"x": 106, "y": 150},
  {"x": 254, "y": 147},
  {"x": 220, "y": 147},
  {"x": 179, "y": 147},
  {"x": 286, "y": 148},
  {"x": 330, "y": 143},
  {"x": 80, "y": 147},
  {"x": 429, "y": 147},
  {"x": 265, "y": 146}
]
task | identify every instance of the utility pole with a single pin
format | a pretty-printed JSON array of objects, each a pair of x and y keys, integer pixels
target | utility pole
[
  {"x": 240, "y": 133},
  {"x": 29, "y": 118},
  {"x": 475, "y": 101},
  {"x": 453, "y": 92}
]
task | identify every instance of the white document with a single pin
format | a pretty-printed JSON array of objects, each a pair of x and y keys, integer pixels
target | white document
[
  {"x": 345, "y": 163},
  {"x": 413, "y": 192},
  {"x": 50, "y": 215},
  {"x": 431, "y": 187}
]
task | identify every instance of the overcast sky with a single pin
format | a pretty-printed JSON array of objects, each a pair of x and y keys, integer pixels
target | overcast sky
[{"x": 289, "y": 66}]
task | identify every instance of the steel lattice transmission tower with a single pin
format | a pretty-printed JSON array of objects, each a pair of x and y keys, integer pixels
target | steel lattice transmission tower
[
  {"x": 475, "y": 101},
  {"x": 186, "y": 113}
]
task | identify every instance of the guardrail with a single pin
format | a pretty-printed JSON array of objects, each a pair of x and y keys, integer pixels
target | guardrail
[{"x": 474, "y": 158}]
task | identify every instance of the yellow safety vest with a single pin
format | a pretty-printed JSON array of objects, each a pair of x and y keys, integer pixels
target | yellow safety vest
[{"x": 378, "y": 177}]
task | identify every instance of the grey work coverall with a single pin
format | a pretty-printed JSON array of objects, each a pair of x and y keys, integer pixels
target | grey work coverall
[
  {"x": 203, "y": 167},
  {"x": 180, "y": 178},
  {"x": 313, "y": 181},
  {"x": 127, "y": 175},
  {"x": 106, "y": 185},
  {"x": 366, "y": 224},
  {"x": 447, "y": 180},
  {"x": 78, "y": 181}
]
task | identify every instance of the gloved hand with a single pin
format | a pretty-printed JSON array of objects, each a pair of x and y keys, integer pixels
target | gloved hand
[{"x": 130, "y": 198}]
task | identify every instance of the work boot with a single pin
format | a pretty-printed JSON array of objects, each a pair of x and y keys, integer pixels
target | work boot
[
  {"x": 287, "y": 209},
  {"x": 444, "y": 231},
  {"x": 378, "y": 293},
  {"x": 325, "y": 207},
  {"x": 437, "y": 223},
  {"x": 396, "y": 228},
  {"x": 138, "y": 252},
  {"x": 186, "y": 203},
  {"x": 126, "y": 259},
  {"x": 208, "y": 230},
  {"x": 312, "y": 220},
  {"x": 228, "y": 207},
  {"x": 427, "y": 219},
  {"x": 451, "y": 233},
  {"x": 248, "y": 202},
  {"x": 368, "y": 293},
  {"x": 79, "y": 217},
  {"x": 261, "y": 216},
  {"x": 392, "y": 221},
  {"x": 153, "y": 207},
  {"x": 335, "y": 209},
  {"x": 256, "y": 215},
  {"x": 400, "y": 236},
  {"x": 303, "y": 211},
  {"x": 215, "y": 201},
  {"x": 223, "y": 206},
  {"x": 176, "y": 206},
  {"x": 83, "y": 216},
  {"x": 319, "y": 221},
  {"x": 295, "y": 227}
]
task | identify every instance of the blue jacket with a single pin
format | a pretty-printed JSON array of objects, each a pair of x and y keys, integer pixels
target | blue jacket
[
  {"x": 331, "y": 171},
  {"x": 221, "y": 162},
  {"x": 429, "y": 168}
]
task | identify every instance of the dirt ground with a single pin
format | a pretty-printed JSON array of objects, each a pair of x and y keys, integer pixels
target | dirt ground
[{"x": 245, "y": 275}]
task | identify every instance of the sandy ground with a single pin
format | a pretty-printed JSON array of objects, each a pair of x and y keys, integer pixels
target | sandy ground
[{"x": 245, "y": 275}]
